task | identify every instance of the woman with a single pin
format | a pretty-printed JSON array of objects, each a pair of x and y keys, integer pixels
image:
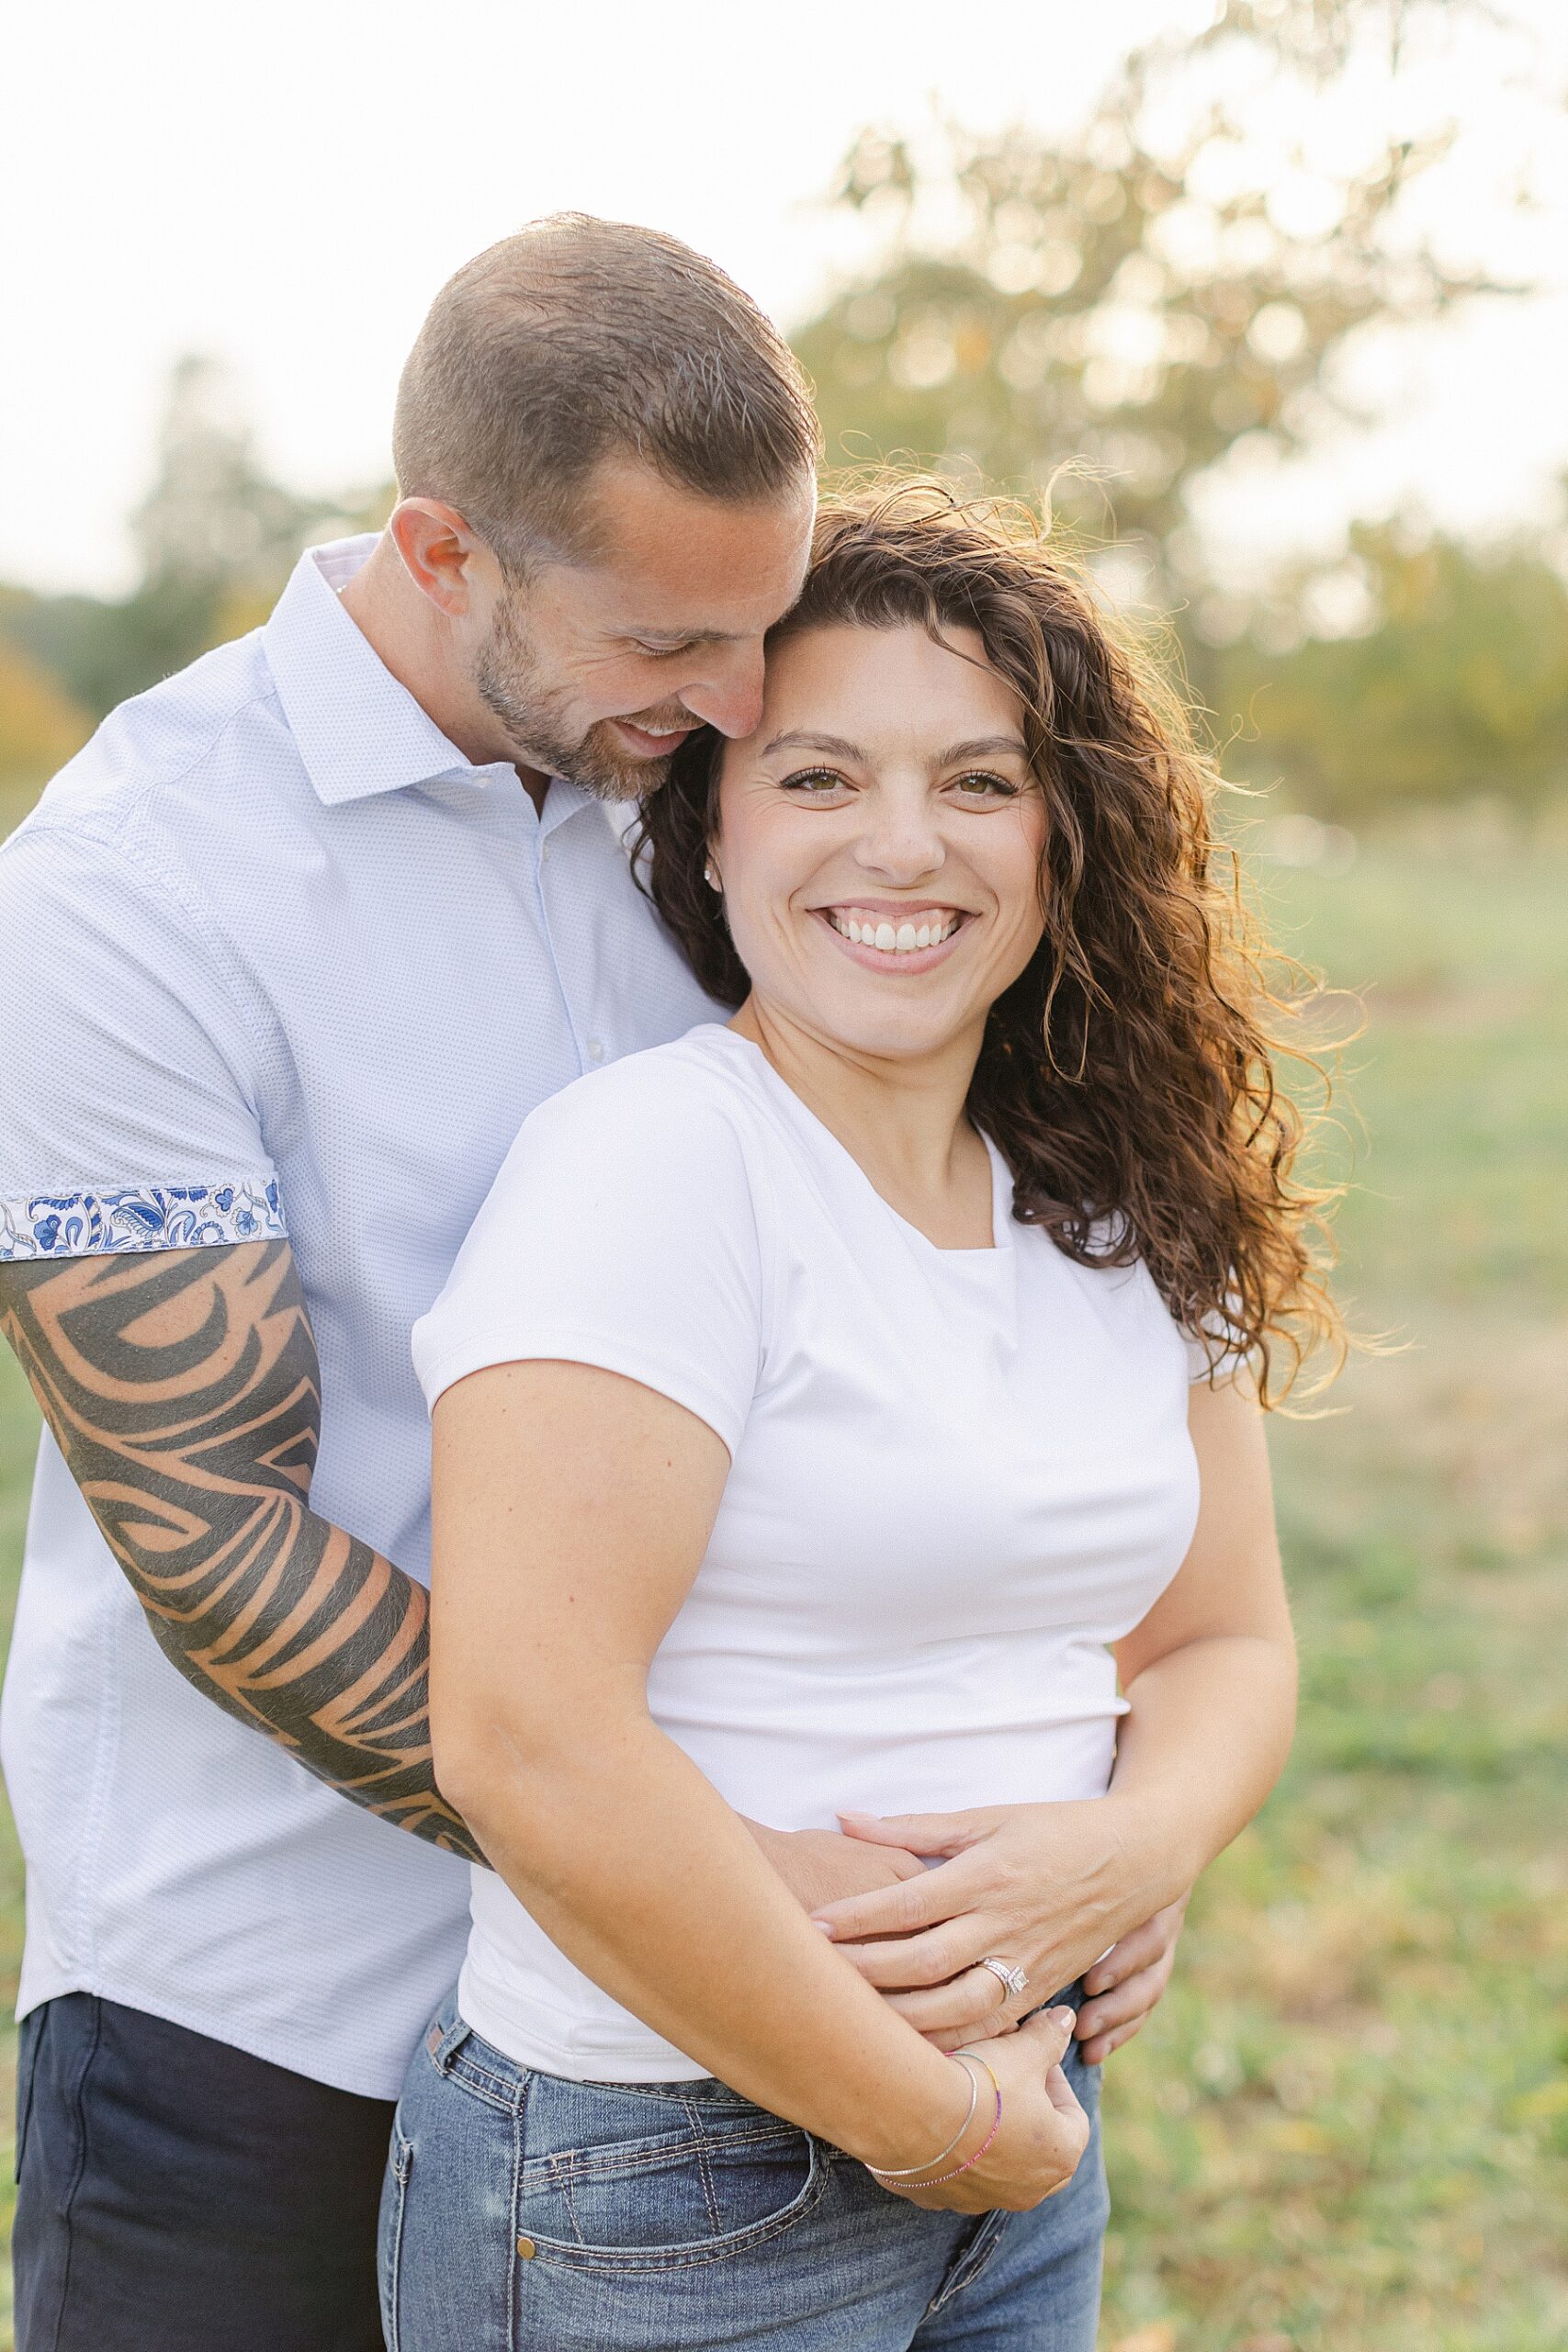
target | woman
[{"x": 827, "y": 1407}]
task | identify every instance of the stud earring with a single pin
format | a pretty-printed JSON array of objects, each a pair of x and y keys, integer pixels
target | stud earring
[{"x": 711, "y": 879}]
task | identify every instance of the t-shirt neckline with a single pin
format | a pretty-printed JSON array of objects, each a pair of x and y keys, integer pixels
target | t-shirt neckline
[{"x": 1001, "y": 1177}]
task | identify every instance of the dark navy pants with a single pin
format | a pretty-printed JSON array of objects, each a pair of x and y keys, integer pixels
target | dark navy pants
[{"x": 177, "y": 2195}]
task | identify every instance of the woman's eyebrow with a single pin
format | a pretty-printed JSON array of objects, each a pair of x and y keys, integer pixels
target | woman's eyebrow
[
  {"x": 837, "y": 747},
  {"x": 796, "y": 740},
  {"x": 981, "y": 746}
]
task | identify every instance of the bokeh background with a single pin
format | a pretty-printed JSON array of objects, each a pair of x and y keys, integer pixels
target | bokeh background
[{"x": 1268, "y": 299}]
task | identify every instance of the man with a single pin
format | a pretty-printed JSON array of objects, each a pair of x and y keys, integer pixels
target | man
[{"x": 285, "y": 956}]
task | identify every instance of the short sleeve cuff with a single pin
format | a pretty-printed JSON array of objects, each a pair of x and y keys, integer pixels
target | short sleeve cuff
[
  {"x": 141, "y": 1217},
  {"x": 684, "y": 1384}
]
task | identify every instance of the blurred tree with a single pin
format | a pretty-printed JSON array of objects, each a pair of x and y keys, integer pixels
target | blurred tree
[
  {"x": 1137, "y": 294},
  {"x": 213, "y": 522},
  {"x": 216, "y": 535},
  {"x": 41, "y": 727},
  {"x": 1454, "y": 681}
]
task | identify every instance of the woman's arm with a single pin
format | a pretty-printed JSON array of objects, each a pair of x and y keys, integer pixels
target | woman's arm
[
  {"x": 1210, "y": 1678},
  {"x": 1210, "y": 1675},
  {"x": 571, "y": 1510}
]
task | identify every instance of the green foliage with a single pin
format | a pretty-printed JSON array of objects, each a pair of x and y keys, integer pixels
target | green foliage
[{"x": 1458, "y": 685}]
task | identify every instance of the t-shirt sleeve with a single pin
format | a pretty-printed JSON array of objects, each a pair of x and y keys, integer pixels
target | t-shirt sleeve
[
  {"x": 128, "y": 1080},
  {"x": 622, "y": 1231},
  {"x": 1216, "y": 1351}
]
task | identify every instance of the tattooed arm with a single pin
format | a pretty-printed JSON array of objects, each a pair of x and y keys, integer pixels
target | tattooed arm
[
  {"x": 184, "y": 1391},
  {"x": 183, "y": 1388}
]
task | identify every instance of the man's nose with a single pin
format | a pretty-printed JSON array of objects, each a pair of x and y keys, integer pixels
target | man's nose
[{"x": 728, "y": 695}]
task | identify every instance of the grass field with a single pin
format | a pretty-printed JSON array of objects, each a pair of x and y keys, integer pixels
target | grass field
[{"x": 1349, "y": 2125}]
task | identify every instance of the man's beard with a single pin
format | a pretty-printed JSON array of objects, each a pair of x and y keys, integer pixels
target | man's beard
[{"x": 533, "y": 715}]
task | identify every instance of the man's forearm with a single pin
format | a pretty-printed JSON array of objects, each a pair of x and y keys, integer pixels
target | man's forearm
[{"x": 183, "y": 1388}]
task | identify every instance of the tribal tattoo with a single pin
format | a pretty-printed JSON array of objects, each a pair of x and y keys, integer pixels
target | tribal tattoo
[{"x": 184, "y": 1389}]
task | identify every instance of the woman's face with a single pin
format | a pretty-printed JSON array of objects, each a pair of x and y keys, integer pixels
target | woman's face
[{"x": 880, "y": 838}]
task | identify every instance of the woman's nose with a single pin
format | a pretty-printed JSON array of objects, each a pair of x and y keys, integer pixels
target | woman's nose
[{"x": 901, "y": 840}]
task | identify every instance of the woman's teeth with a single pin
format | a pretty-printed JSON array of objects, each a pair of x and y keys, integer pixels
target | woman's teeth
[{"x": 894, "y": 939}]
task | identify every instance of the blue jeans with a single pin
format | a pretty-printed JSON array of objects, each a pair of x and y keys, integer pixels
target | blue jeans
[{"x": 524, "y": 2214}]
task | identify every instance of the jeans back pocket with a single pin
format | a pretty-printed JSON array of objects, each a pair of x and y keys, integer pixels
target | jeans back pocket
[{"x": 656, "y": 2181}]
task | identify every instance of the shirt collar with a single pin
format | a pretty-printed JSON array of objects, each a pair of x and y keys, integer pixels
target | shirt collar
[{"x": 357, "y": 730}]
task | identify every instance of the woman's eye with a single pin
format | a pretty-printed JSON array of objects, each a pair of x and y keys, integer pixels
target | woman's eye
[
  {"x": 980, "y": 784},
  {"x": 814, "y": 784}
]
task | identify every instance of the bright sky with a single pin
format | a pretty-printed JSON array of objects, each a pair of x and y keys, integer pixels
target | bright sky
[{"x": 287, "y": 189}]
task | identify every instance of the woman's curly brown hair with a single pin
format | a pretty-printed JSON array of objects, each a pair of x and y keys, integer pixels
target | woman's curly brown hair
[{"x": 1127, "y": 1075}]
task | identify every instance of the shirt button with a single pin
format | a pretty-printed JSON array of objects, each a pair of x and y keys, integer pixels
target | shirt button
[
  {"x": 595, "y": 1049},
  {"x": 545, "y": 854},
  {"x": 526, "y": 2249}
]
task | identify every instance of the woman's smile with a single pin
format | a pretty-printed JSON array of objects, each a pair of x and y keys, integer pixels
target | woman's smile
[{"x": 901, "y": 939}]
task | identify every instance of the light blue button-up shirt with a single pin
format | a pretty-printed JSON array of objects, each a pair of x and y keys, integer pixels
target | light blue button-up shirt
[{"x": 274, "y": 957}]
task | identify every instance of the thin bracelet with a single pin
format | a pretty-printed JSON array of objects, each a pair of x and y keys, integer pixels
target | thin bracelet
[
  {"x": 980, "y": 2061},
  {"x": 996, "y": 2126},
  {"x": 908, "y": 2172}
]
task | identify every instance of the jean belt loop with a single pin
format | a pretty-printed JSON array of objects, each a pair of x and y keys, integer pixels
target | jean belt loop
[{"x": 446, "y": 2036}]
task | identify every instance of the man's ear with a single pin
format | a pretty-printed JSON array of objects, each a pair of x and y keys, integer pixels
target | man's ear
[{"x": 439, "y": 552}]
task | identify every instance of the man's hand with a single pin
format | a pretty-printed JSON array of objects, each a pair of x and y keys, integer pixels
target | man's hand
[
  {"x": 1123, "y": 1990},
  {"x": 819, "y": 1866}
]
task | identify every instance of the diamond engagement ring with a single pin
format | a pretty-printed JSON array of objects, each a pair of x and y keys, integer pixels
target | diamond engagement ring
[{"x": 1011, "y": 1979}]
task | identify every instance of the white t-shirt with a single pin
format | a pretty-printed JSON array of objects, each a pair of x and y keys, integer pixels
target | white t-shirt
[{"x": 955, "y": 1476}]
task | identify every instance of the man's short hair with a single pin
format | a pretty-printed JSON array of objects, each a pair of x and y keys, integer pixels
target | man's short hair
[{"x": 579, "y": 339}]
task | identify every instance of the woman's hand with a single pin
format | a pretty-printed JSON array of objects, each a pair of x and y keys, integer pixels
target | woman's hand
[
  {"x": 1045, "y": 1887},
  {"x": 1040, "y": 2137}
]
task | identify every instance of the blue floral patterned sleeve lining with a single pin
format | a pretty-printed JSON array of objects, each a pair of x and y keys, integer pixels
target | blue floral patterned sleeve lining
[{"x": 141, "y": 1217}]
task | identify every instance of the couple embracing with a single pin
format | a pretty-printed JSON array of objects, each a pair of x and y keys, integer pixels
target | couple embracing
[{"x": 725, "y": 1003}]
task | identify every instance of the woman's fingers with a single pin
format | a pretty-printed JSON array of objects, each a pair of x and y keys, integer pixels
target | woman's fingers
[
  {"x": 899, "y": 1910},
  {"x": 975, "y": 1998},
  {"x": 1068, "y": 2106},
  {"x": 952, "y": 2038},
  {"x": 1042, "y": 2041},
  {"x": 912, "y": 1962}
]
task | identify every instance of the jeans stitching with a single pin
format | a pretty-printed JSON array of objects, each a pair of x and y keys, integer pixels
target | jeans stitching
[
  {"x": 480, "y": 2083},
  {"x": 564, "y": 2166},
  {"x": 653, "y": 2259},
  {"x": 402, "y": 2166},
  {"x": 705, "y": 2170},
  {"x": 29, "y": 2049},
  {"x": 513, "y": 2261},
  {"x": 569, "y": 2169},
  {"x": 77, "y": 2101},
  {"x": 971, "y": 2262}
]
